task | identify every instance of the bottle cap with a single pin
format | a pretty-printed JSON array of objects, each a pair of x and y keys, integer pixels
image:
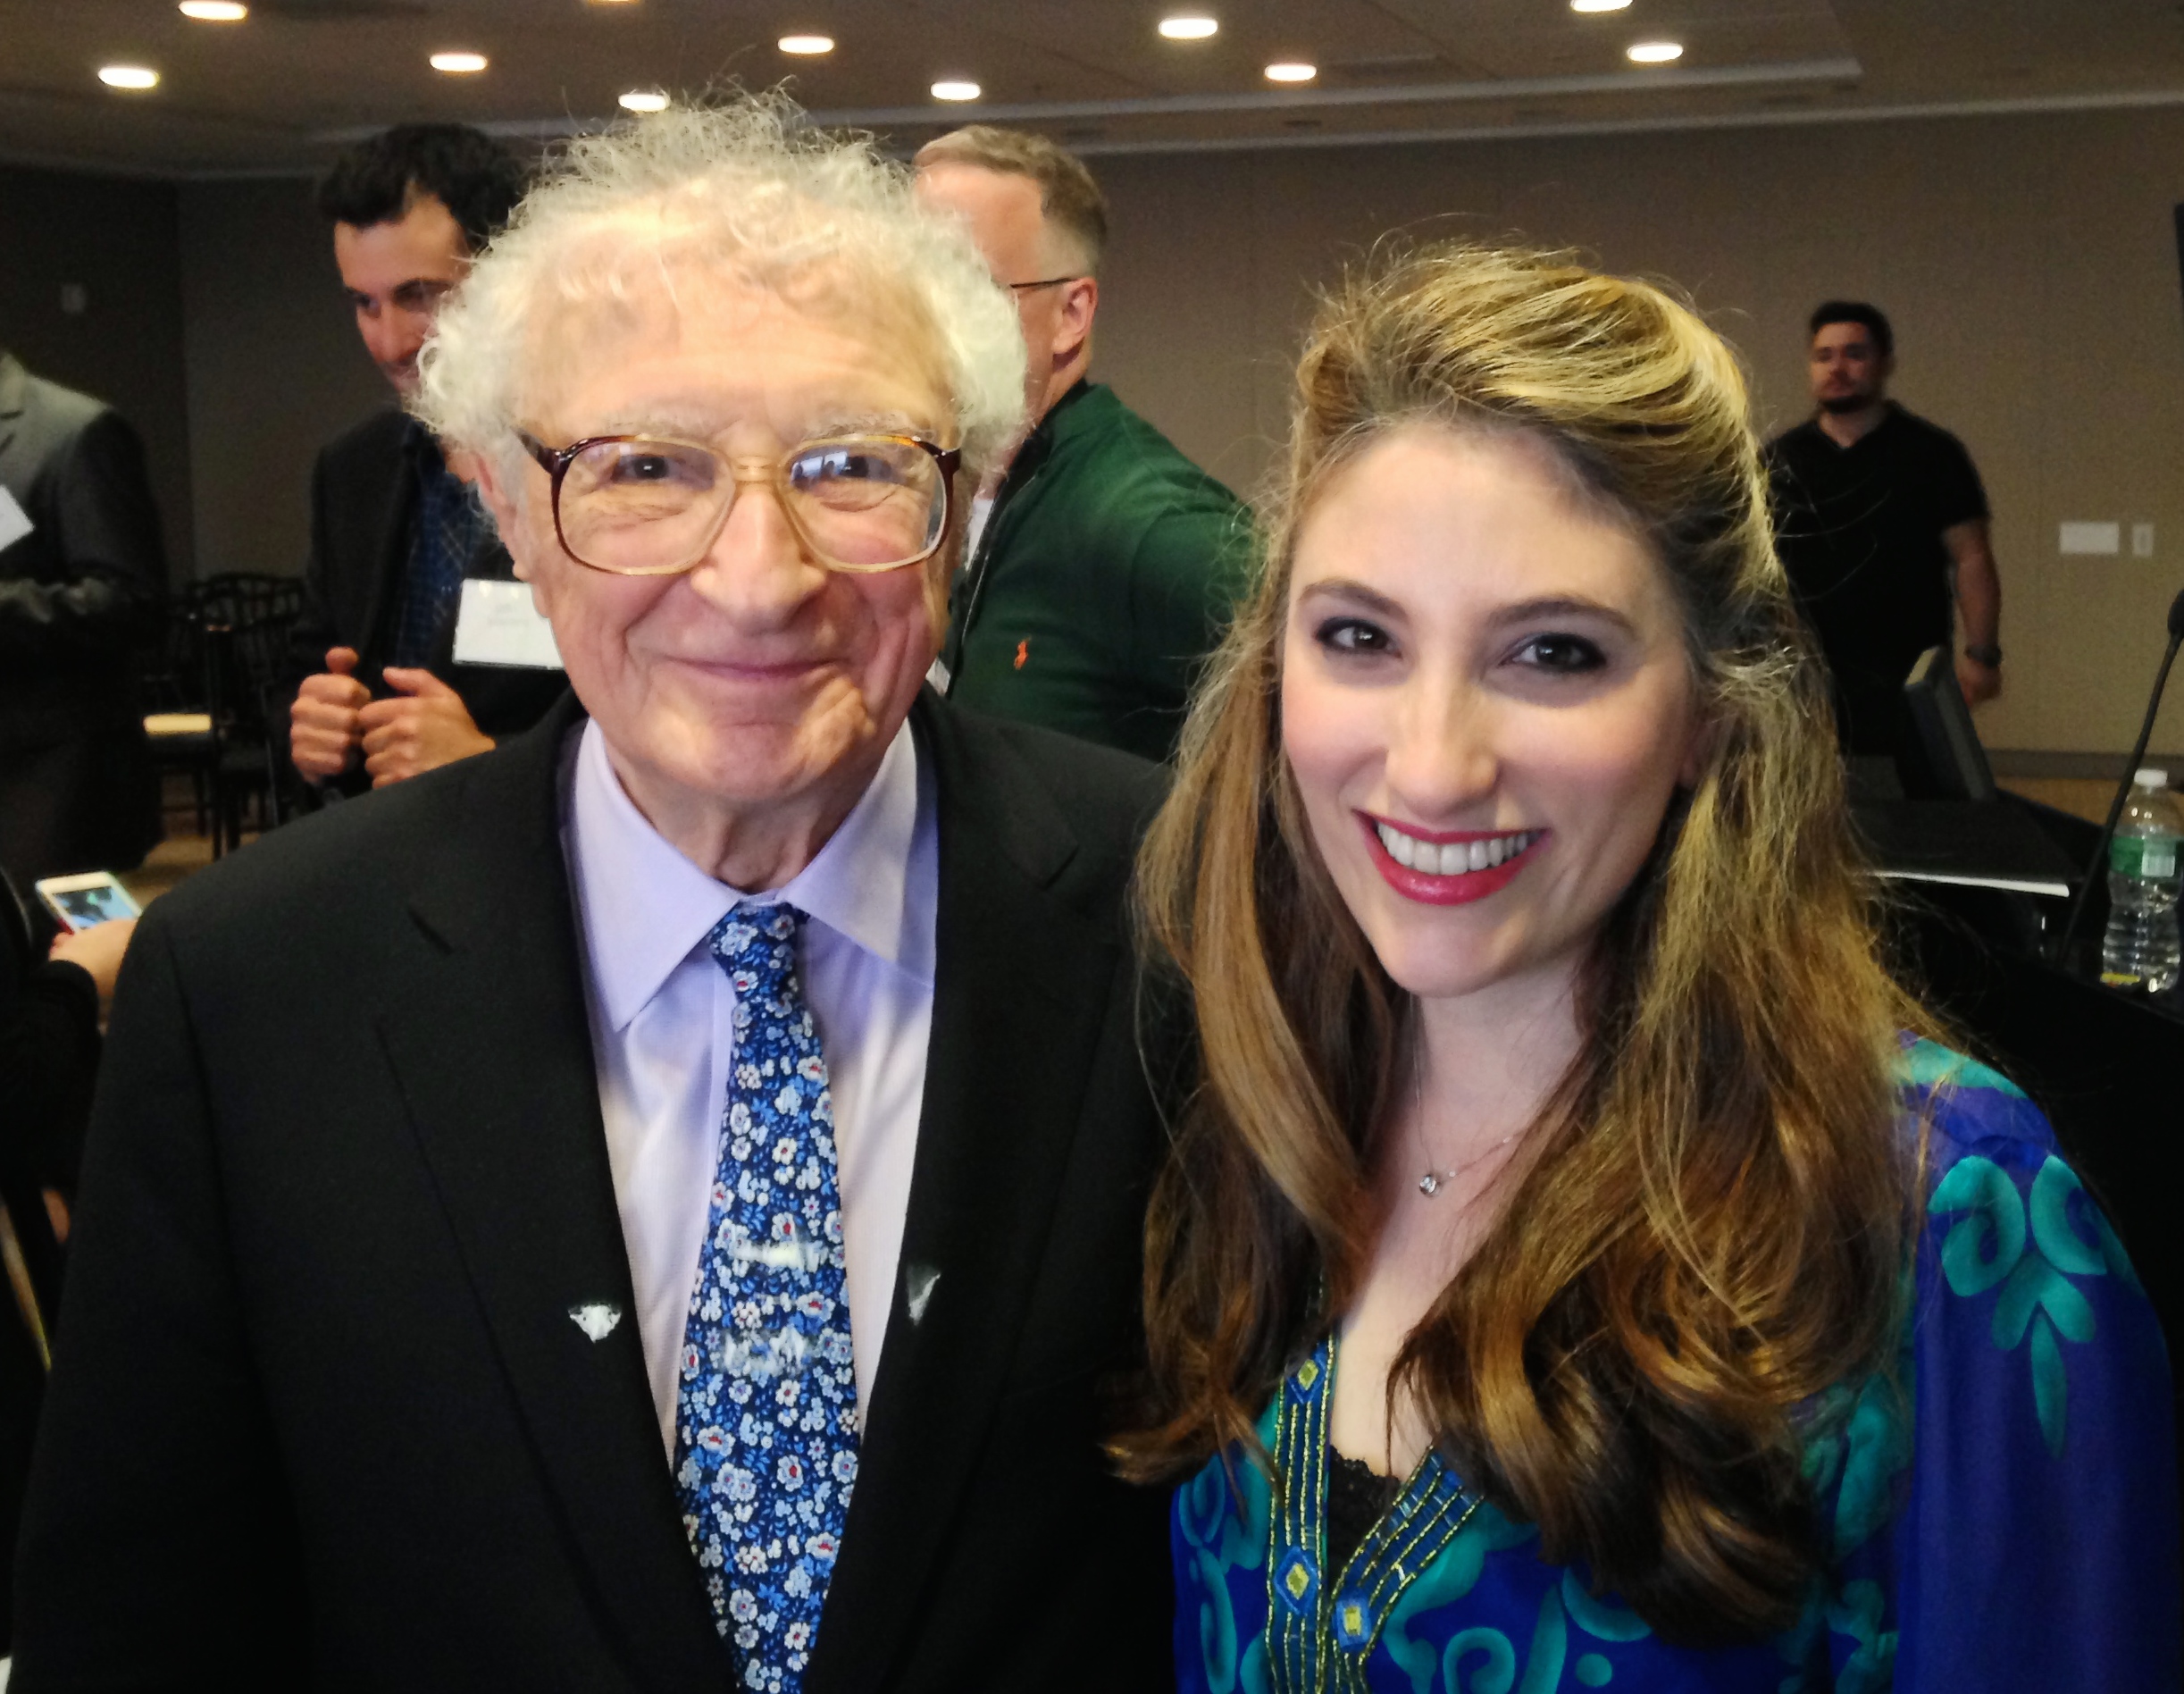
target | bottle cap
[{"x": 2146, "y": 777}]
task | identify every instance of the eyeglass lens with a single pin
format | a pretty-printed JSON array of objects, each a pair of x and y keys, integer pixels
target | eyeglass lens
[{"x": 861, "y": 502}]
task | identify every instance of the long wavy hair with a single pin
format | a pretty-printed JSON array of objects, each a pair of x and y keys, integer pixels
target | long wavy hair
[{"x": 1716, "y": 1224}]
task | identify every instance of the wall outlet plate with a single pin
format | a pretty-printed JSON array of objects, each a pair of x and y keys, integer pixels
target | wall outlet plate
[{"x": 2142, "y": 540}]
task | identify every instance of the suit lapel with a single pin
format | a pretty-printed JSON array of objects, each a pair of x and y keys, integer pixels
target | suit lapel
[
  {"x": 383, "y": 590},
  {"x": 492, "y": 1049},
  {"x": 1022, "y": 986}
]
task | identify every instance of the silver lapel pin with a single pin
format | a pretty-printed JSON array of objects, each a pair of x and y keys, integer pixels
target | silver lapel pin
[
  {"x": 918, "y": 1285},
  {"x": 597, "y": 1320}
]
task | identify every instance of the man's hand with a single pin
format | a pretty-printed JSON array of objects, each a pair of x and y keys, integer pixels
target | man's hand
[
  {"x": 426, "y": 728},
  {"x": 323, "y": 729},
  {"x": 97, "y": 950},
  {"x": 1978, "y": 683}
]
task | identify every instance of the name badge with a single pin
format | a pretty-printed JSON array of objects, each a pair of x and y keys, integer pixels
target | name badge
[
  {"x": 498, "y": 625},
  {"x": 14, "y": 522}
]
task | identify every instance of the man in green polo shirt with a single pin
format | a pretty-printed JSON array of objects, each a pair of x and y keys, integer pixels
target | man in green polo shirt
[{"x": 1101, "y": 571}]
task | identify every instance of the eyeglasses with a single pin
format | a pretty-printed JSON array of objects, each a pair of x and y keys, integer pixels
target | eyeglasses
[
  {"x": 640, "y": 505},
  {"x": 1047, "y": 282}
]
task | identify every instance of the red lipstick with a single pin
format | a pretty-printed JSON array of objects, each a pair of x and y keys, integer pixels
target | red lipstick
[{"x": 1432, "y": 889}]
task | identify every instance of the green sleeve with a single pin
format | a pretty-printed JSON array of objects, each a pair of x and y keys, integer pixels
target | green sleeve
[{"x": 1186, "y": 575}]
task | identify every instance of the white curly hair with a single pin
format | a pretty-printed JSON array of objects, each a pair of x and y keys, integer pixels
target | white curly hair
[{"x": 742, "y": 189}]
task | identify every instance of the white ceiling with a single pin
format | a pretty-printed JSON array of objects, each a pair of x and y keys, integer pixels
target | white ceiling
[{"x": 283, "y": 90}]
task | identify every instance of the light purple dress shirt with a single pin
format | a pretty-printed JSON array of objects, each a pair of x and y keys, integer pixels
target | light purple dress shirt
[{"x": 660, "y": 1013}]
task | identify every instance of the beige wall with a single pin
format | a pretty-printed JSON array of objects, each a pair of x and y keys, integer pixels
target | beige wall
[{"x": 2028, "y": 262}]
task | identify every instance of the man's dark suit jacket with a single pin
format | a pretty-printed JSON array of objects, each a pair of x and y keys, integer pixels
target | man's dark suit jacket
[
  {"x": 321, "y": 1416},
  {"x": 79, "y": 596},
  {"x": 364, "y": 503}
]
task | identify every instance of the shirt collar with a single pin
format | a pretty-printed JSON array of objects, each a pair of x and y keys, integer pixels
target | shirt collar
[{"x": 645, "y": 907}]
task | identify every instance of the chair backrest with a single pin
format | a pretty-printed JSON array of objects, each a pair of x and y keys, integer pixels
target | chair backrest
[{"x": 244, "y": 619}]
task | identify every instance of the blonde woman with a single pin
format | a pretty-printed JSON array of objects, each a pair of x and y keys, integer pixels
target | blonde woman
[{"x": 1582, "y": 1266}]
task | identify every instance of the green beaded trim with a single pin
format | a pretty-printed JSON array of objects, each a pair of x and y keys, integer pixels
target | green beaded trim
[{"x": 1319, "y": 1635}]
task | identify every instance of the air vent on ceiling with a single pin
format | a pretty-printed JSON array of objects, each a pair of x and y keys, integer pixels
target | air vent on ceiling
[{"x": 1385, "y": 67}]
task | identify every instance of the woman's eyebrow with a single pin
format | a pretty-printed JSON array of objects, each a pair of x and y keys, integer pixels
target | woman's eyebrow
[
  {"x": 1551, "y": 605},
  {"x": 1344, "y": 588},
  {"x": 1545, "y": 606}
]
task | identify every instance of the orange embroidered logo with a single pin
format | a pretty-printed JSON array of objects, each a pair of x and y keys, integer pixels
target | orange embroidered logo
[{"x": 1024, "y": 651}]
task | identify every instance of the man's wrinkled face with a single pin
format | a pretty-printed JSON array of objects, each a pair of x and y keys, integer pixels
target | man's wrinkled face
[
  {"x": 397, "y": 273},
  {"x": 1848, "y": 372},
  {"x": 758, "y": 679}
]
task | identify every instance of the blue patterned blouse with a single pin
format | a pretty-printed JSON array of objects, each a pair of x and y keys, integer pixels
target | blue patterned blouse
[{"x": 2003, "y": 1515}]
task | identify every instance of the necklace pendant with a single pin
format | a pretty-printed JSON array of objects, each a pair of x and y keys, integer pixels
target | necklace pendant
[{"x": 1430, "y": 1185}]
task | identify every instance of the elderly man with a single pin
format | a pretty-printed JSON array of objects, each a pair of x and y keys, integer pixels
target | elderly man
[
  {"x": 1104, "y": 572},
  {"x": 718, "y": 1196}
]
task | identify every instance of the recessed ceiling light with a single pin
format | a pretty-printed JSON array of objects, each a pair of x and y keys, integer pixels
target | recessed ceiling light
[
  {"x": 1654, "y": 51},
  {"x": 214, "y": 11},
  {"x": 458, "y": 65},
  {"x": 1189, "y": 26},
  {"x": 806, "y": 46},
  {"x": 645, "y": 100},
  {"x": 129, "y": 76},
  {"x": 1598, "y": 6},
  {"x": 1291, "y": 71},
  {"x": 956, "y": 90}
]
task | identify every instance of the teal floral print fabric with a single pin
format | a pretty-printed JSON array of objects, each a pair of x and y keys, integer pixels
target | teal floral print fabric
[
  {"x": 765, "y": 1412},
  {"x": 2000, "y": 1508}
]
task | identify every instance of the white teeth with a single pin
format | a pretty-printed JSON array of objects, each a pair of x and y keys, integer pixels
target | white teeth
[{"x": 1452, "y": 858}]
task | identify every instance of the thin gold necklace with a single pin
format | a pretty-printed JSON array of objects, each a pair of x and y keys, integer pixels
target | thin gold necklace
[{"x": 1433, "y": 1181}]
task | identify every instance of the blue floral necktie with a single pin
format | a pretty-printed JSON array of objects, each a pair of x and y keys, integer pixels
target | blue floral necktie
[{"x": 766, "y": 1419}]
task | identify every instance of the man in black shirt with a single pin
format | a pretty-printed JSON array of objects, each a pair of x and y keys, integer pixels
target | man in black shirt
[{"x": 1880, "y": 518}]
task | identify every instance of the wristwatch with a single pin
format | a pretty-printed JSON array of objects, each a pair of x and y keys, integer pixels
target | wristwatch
[{"x": 1990, "y": 656}]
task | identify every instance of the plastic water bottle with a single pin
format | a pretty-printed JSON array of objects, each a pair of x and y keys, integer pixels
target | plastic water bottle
[{"x": 2140, "y": 949}]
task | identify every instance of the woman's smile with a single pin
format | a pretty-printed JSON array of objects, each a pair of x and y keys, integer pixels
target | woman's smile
[{"x": 1448, "y": 867}]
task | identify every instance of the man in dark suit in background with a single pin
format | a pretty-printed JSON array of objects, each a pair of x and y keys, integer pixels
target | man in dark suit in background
[
  {"x": 82, "y": 571},
  {"x": 394, "y": 530},
  {"x": 716, "y": 1190}
]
